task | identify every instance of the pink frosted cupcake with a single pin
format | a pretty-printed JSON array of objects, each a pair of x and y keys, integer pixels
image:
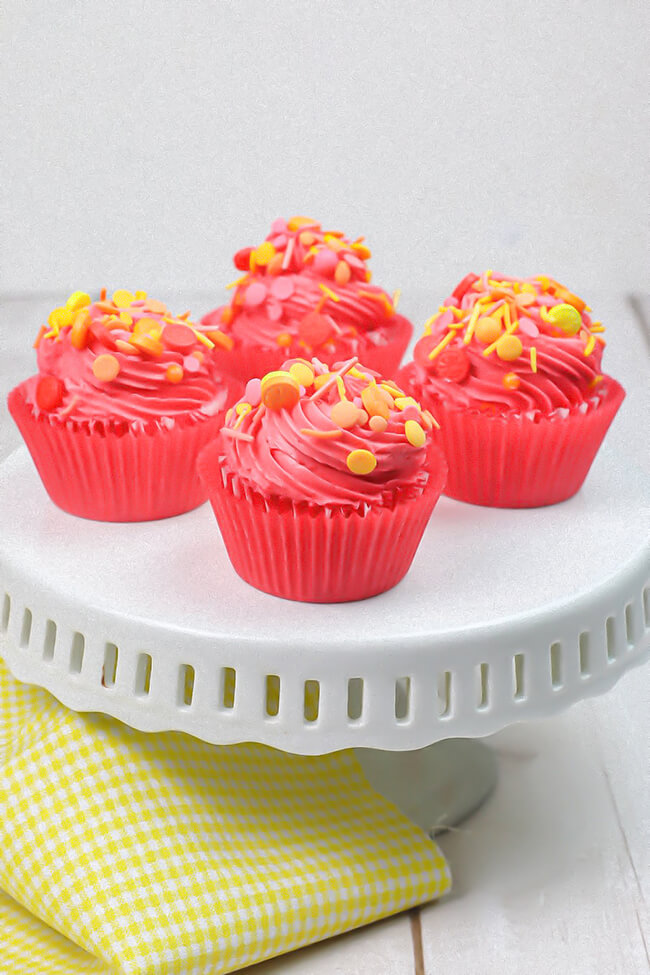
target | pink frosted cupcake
[
  {"x": 125, "y": 397},
  {"x": 323, "y": 482},
  {"x": 304, "y": 292},
  {"x": 512, "y": 369}
]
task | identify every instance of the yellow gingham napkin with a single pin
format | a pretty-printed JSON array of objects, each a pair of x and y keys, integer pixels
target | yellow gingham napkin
[{"x": 162, "y": 854}]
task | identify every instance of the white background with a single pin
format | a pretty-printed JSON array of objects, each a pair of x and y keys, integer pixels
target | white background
[{"x": 144, "y": 142}]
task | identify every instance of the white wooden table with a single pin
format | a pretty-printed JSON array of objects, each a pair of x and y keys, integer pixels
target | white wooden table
[{"x": 552, "y": 875}]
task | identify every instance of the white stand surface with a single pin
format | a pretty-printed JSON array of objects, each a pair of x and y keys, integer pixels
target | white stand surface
[{"x": 564, "y": 842}]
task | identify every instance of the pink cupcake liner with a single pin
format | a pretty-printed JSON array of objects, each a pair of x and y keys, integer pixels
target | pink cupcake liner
[
  {"x": 517, "y": 461},
  {"x": 114, "y": 470},
  {"x": 246, "y": 361},
  {"x": 313, "y": 553}
]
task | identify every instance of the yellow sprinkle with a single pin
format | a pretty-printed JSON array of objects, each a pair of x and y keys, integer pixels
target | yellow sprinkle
[
  {"x": 429, "y": 322},
  {"x": 234, "y": 284},
  {"x": 340, "y": 385},
  {"x": 126, "y": 319},
  {"x": 77, "y": 300},
  {"x": 596, "y": 380},
  {"x": 403, "y": 401},
  {"x": 441, "y": 345},
  {"x": 396, "y": 297},
  {"x": 361, "y": 462},
  {"x": 414, "y": 433},
  {"x": 597, "y": 327},
  {"x": 395, "y": 393},
  {"x": 327, "y": 291},
  {"x": 506, "y": 316},
  {"x": 122, "y": 298},
  {"x": 140, "y": 295},
  {"x": 302, "y": 373},
  {"x": 203, "y": 338},
  {"x": 533, "y": 358},
  {"x": 265, "y": 253},
  {"x": 471, "y": 325},
  {"x": 241, "y": 410},
  {"x": 589, "y": 347}
]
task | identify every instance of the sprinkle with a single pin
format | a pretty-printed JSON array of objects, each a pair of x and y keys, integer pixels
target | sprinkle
[
  {"x": 220, "y": 339},
  {"x": 174, "y": 373},
  {"x": 79, "y": 330},
  {"x": 60, "y": 318},
  {"x": 378, "y": 424},
  {"x": 589, "y": 347},
  {"x": 288, "y": 254},
  {"x": 256, "y": 294},
  {"x": 441, "y": 345},
  {"x": 77, "y": 300},
  {"x": 414, "y": 433},
  {"x": 342, "y": 274},
  {"x": 280, "y": 390},
  {"x": 302, "y": 373},
  {"x": 511, "y": 380},
  {"x": 329, "y": 293},
  {"x": 106, "y": 368},
  {"x": 205, "y": 339},
  {"x": 139, "y": 295},
  {"x": 361, "y": 462},
  {"x": 374, "y": 403},
  {"x": 123, "y": 298},
  {"x": 41, "y": 332},
  {"x": 533, "y": 358},
  {"x": 453, "y": 365},
  {"x": 596, "y": 380},
  {"x": 237, "y": 434},
  {"x": 597, "y": 327},
  {"x": 471, "y": 325},
  {"x": 179, "y": 338},
  {"x": 49, "y": 393},
  {"x": 235, "y": 284},
  {"x": 125, "y": 347},
  {"x": 396, "y": 297},
  {"x": 264, "y": 254},
  {"x": 565, "y": 317},
  {"x": 102, "y": 294},
  {"x": 392, "y": 390},
  {"x": 148, "y": 343},
  {"x": 332, "y": 379},
  {"x": 509, "y": 347},
  {"x": 403, "y": 402},
  {"x": 329, "y": 434},
  {"x": 487, "y": 330},
  {"x": 67, "y": 410}
]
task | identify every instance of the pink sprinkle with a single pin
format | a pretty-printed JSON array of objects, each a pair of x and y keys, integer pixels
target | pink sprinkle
[
  {"x": 191, "y": 364},
  {"x": 325, "y": 261},
  {"x": 282, "y": 288},
  {"x": 279, "y": 226},
  {"x": 274, "y": 311},
  {"x": 253, "y": 392},
  {"x": 446, "y": 318},
  {"x": 279, "y": 242},
  {"x": 528, "y": 327},
  {"x": 255, "y": 294},
  {"x": 354, "y": 261}
]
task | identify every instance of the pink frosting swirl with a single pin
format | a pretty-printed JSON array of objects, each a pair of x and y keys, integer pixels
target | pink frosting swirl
[
  {"x": 320, "y": 451},
  {"x": 305, "y": 289},
  {"x": 167, "y": 375},
  {"x": 502, "y": 344}
]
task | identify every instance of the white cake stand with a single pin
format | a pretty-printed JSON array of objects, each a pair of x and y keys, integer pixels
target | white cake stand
[{"x": 504, "y": 616}]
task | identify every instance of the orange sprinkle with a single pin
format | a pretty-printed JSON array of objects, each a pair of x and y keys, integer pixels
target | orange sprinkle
[
  {"x": 41, "y": 332},
  {"x": 79, "y": 330},
  {"x": 106, "y": 368},
  {"x": 174, "y": 373},
  {"x": 149, "y": 344},
  {"x": 280, "y": 391},
  {"x": 126, "y": 347},
  {"x": 511, "y": 380},
  {"x": 221, "y": 339},
  {"x": 345, "y": 414},
  {"x": 284, "y": 339},
  {"x": 374, "y": 403},
  {"x": 342, "y": 274},
  {"x": 328, "y": 434},
  {"x": 102, "y": 294}
]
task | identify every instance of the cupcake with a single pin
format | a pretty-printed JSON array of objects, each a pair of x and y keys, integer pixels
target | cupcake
[
  {"x": 322, "y": 482},
  {"x": 512, "y": 369},
  {"x": 125, "y": 397},
  {"x": 303, "y": 292}
]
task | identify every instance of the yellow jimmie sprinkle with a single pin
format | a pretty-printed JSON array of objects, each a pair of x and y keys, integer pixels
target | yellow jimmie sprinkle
[
  {"x": 589, "y": 347},
  {"x": 471, "y": 325},
  {"x": 429, "y": 322},
  {"x": 490, "y": 349},
  {"x": 597, "y": 327},
  {"x": 327, "y": 291},
  {"x": 533, "y": 358},
  {"x": 203, "y": 338},
  {"x": 234, "y": 284},
  {"x": 396, "y": 297},
  {"x": 441, "y": 345},
  {"x": 458, "y": 313},
  {"x": 507, "y": 321},
  {"x": 340, "y": 385}
]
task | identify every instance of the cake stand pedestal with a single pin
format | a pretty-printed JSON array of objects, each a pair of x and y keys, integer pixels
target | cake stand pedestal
[{"x": 504, "y": 616}]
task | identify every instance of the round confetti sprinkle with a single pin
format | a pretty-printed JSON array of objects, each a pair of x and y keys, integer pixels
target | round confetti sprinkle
[
  {"x": 275, "y": 265},
  {"x": 77, "y": 300},
  {"x": 284, "y": 339},
  {"x": 511, "y": 380},
  {"x": 106, "y": 368},
  {"x": 314, "y": 329},
  {"x": 362, "y": 418},
  {"x": 191, "y": 364},
  {"x": 361, "y": 462},
  {"x": 253, "y": 392},
  {"x": 282, "y": 288},
  {"x": 528, "y": 327},
  {"x": 174, "y": 373},
  {"x": 60, "y": 318},
  {"x": 325, "y": 262},
  {"x": 302, "y": 373},
  {"x": 487, "y": 330},
  {"x": 49, "y": 393},
  {"x": 157, "y": 307},
  {"x": 242, "y": 258},
  {"x": 509, "y": 347},
  {"x": 565, "y": 317},
  {"x": 123, "y": 298},
  {"x": 148, "y": 326},
  {"x": 345, "y": 414},
  {"x": 148, "y": 344},
  {"x": 179, "y": 338},
  {"x": 295, "y": 223},
  {"x": 280, "y": 391},
  {"x": 342, "y": 273},
  {"x": 306, "y": 238},
  {"x": 255, "y": 294},
  {"x": 377, "y": 424},
  {"x": 414, "y": 433},
  {"x": 452, "y": 365},
  {"x": 374, "y": 403},
  {"x": 265, "y": 253}
]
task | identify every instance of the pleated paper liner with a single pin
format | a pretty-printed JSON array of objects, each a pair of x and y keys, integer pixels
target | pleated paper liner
[
  {"x": 518, "y": 461},
  {"x": 245, "y": 360},
  {"x": 313, "y": 553},
  {"x": 114, "y": 470}
]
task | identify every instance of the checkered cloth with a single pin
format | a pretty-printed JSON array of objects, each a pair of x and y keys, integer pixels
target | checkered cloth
[{"x": 162, "y": 854}]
